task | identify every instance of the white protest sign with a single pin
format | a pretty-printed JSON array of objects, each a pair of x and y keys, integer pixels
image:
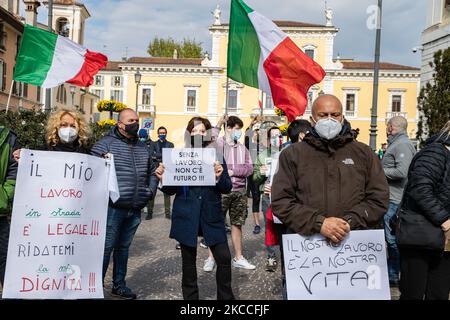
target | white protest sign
[
  {"x": 189, "y": 167},
  {"x": 355, "y": 269},
  {"x": 58, "y": 226}
]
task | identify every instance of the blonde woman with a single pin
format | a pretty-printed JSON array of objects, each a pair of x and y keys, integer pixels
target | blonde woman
[{"x": 66, "y": 131}]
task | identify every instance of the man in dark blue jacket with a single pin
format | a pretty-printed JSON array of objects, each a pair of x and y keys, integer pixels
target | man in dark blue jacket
[
  {"x": 156, "y": 150},
  {"x": 137, "y": 180}
]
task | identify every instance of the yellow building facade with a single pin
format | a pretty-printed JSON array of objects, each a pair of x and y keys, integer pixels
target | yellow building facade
[{"x": 173, "y": 90}]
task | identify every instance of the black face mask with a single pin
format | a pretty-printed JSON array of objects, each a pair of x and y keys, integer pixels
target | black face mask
[
  {"x": 132, "y": 129},
  {"x": 199, "y": 141}
]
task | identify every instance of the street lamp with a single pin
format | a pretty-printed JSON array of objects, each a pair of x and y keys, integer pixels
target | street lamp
[
  {"x": 137, "y": 80},
  {"x": 376, "y": 75},
  {"x": 72, "y": 92}
]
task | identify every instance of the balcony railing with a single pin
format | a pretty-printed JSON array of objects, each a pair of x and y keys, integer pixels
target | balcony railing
[
  {"x": 146, "y": 108},
  {"x": 349, "y": 113},
  {"x": 191, "y": 109},
  {"x": 390, "y": 115}
]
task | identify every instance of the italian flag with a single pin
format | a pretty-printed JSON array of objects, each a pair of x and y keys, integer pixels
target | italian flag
[
  {"x": 262, "y": 56},
  {"x": 47, "y": 60}
]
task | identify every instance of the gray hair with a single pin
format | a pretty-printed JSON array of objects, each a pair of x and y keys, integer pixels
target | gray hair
[{"x": 399, "y": 123}]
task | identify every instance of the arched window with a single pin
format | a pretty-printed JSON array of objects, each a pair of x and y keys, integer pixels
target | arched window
[{"x": 63, "y": 27}]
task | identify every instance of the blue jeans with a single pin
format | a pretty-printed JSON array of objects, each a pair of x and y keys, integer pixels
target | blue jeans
[
  {"x": 120, "y": 229},
  {"x": 393, "y": 254}
]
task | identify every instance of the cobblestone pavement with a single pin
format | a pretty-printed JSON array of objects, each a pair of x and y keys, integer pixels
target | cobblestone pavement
[{"x": 154, "y": 268}]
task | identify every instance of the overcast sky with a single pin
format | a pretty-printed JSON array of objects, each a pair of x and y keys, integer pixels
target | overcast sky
[{"x": 119, "y": 24}]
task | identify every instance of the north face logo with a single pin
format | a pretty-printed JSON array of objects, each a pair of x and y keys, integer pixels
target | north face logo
[{"x": 348, "y": 162}]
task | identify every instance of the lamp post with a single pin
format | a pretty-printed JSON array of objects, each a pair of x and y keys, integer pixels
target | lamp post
[
  {"x": 376, "y": 73},
  {"x": 137, "y": 80},
  {"x": 72, "y": 92}
]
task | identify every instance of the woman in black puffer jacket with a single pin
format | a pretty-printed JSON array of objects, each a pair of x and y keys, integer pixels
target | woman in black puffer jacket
[{"x": 425, "y": 274}]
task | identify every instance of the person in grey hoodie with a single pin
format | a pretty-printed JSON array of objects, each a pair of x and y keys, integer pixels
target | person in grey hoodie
[{"x": 396, "y": 161}]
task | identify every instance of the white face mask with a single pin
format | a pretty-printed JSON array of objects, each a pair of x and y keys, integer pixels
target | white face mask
[
  {"x": 328, "y": 128},
  {"x": 67, "y": 134}
]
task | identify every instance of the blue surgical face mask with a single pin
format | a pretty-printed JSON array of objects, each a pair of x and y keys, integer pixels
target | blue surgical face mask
[
  {"x": 236, "y": 135},
  {"x": 162, "y": 137},
  {"x": 143, "y": 139}
]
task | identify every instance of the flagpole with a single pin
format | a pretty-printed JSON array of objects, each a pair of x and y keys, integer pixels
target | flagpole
[
  {"x": 9, "y": 97},
  {"x": 225, "y": 116},
  {"x": 262, "y": 104},
  {"x": 226, "y": 95},
  {"x": 376, "y": 74},
  {"x": 48, "y": 92}
]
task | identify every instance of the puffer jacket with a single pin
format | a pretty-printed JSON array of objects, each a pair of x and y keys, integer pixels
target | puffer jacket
[
  {"x": 134, "y": 168},
  {"x": 8, "y": 170},
  {"x": 318, "y": 178},
  {"x": 428, "y": 189}
]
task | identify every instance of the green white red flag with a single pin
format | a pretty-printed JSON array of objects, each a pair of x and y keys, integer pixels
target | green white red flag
[{"x": 262, "y": 56}]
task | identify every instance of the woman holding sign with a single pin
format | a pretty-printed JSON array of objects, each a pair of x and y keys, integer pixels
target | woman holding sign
[{"x": 197, "y": 211}]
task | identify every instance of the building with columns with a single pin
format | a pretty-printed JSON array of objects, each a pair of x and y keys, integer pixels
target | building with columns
[
  {"x": 172, "y": 90},
  {"x": 436, "y": 35}
]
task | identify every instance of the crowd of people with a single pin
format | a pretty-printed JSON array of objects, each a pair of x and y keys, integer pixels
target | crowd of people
[{"x": 321, "y": 181}]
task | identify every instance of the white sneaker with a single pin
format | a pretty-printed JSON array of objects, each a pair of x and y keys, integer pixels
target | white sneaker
[
  {"x": 243, "y": 263},
  {"x": 209, "y": 265}
]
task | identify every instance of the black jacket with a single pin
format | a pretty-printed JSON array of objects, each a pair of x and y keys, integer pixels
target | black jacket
[
  {"x": 157, "y": 147},
  {"x": 428, "y": 189},
  {"x": 134, "y": 168},
  {"x": 66, "y": 147}
]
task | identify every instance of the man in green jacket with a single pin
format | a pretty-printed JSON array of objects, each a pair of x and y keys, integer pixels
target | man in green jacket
[{"x": 8, "y": 173}]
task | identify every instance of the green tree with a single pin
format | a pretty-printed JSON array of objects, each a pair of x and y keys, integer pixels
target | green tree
[
  {"x": 434, "y": 98},
  {"x": 98, "y": 131},
  {"x": 28, "y": 125},
  {"x": 191, "y": 49},
  {"x": 188, "y": 48}
]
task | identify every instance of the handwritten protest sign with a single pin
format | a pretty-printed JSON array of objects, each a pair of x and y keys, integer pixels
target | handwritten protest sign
[
  {"x": 189, "y": 167},
  {"x": 58, "y": 226},
  {"x": 355, "y": 269}
]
